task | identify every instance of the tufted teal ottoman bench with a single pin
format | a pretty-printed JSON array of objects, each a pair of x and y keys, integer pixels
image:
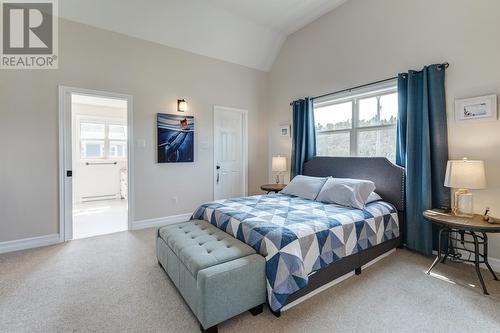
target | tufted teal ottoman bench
[{"x": 218, "y": 276}]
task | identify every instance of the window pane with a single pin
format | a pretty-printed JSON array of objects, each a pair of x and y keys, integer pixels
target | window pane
[
  {"x": 333, "y": 144},
  {"x": 117, "y": 149},
  {"x": 92, "y": 149},
  {"x": 378, "y": 110},
  {"x": 333, "y": 117},
  {"x": 92, "y": 131},
  {"x": 117, "y": 132},
  {"x": 380, "y": 142},
  {"x": 368, "y": 112},
  {"x": 388, "y": 109}
]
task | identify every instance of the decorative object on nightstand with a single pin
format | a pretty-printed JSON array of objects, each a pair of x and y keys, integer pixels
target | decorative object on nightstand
[
  {"x": 272, "y": 187},
  {"x": 457, "y": 227},
  {"x": 464, "y": 175},
  {"x": 278, "y": 165}
]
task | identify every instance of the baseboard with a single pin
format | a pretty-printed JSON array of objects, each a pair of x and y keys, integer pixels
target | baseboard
[
  {"x": 494, "y": 262},
  {"x": 160, "y": 222},
  {"x": 29, "y": 243}
]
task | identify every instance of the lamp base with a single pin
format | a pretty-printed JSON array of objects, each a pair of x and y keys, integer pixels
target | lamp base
[
  {"x": 463, "y": 205},
  {"x": 277, "y": 178}
]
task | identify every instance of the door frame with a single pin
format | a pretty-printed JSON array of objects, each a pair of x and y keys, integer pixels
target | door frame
[
  {"x": 65, "y": 156},
  {"x": 244, "y": 116}
]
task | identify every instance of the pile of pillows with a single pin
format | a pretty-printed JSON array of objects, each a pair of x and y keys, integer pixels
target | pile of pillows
[{"x": 355, "y": 193}]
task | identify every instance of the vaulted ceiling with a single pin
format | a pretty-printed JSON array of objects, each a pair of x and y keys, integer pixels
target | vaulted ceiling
[{"x": 245, "y": 32}]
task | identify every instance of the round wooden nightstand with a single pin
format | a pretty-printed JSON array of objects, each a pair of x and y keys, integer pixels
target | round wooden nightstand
[
  {"x": 272, "y": 187},
  {"x": 457, "y": 227}
]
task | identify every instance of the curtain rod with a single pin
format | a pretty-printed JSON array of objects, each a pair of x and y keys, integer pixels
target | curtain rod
[{"x": 443, "y": 65}]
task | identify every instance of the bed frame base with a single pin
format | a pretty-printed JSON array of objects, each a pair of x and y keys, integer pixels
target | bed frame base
[{"x": 341, "y": 267}]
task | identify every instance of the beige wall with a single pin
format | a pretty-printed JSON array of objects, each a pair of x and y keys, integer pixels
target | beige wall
[
  {"x": 365, "y": 41},
  {"x": 156, "y": 76}
]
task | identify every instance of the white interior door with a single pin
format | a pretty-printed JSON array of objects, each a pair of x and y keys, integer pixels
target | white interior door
[{"x": 229, "y": 153}]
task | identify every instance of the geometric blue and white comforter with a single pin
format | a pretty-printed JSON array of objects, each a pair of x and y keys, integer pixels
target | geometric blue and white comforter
[{"x": 298, "y": 236}]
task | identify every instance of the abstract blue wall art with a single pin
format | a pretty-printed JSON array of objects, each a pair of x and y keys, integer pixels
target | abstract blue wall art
[{"x": 175, "y": 138}]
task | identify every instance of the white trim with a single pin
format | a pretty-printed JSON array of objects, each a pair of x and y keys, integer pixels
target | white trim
[
  {"x": 29, "y": 243},
  {"x": 65, "y": 150},
  {"x": 244, "y": 114},
  {"x": 373, "y": 89},
  {"x": 161, "y": 221},
  {"x": 334, "y": 282},
  {"x": 353, "y": 96},
  {"x": 494, "y": 262}
]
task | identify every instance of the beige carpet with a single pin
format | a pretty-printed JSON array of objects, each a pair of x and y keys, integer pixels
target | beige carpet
[{"x": 113, "y": 284}]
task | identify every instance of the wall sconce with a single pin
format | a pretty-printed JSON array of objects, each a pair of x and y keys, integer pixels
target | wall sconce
[{"x": 182, "y": 105}]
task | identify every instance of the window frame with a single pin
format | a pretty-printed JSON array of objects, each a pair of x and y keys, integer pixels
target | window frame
[{"x": 386, "y": 88}]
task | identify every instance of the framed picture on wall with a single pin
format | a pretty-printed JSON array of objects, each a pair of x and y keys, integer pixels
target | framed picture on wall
[
  {"x": 285, "y": 130},
  {"x": 484, "y": 107},
  {"x": 175, "y": 138}
]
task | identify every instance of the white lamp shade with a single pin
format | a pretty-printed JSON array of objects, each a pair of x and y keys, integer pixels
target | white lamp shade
[
  {"x": 278, "y": 164},
  {"x": 465, "y": 174}
]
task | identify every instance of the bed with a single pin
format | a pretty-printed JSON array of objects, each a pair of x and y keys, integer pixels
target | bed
[{"x": 306, "y": 243}]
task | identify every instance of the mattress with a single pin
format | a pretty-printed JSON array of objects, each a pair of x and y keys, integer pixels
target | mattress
[{"x": 297, "y": 236}]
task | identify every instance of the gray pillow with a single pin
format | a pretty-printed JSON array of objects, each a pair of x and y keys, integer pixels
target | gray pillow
[
  {"x": 305, "y": 187},
  {"x": 373, "y": 197},
  {"x": 346, "y": 192}
]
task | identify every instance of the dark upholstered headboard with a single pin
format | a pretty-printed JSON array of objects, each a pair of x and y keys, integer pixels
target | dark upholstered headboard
[{"x": 388, "y": 177}]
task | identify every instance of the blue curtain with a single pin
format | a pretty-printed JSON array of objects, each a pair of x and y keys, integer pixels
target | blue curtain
[
  {"x": 422, "y": 148},
  {"x": 303, "y": 135}
]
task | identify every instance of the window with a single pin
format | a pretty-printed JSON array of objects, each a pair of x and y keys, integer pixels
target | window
[
  {"x": 100, "y": 139},
  {"x": 117, "y": 149},
  {"x": 92, "y": 149},
  {"x": 362, "y": 123}
]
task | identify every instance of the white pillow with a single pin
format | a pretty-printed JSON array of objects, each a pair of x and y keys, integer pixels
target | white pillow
[
  {"x": 373, "y": 197},
  {"x": 346, "y": 192},
  {"x": 304, "y": 186}
]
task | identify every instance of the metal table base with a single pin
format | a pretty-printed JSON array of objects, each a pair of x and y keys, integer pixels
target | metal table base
[{"x": 457, "y": 241}]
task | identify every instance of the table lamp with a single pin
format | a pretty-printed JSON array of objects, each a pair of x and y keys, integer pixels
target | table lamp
[
  {"x": 464, "y": 175},
  {"x": 278, "y": 165}
]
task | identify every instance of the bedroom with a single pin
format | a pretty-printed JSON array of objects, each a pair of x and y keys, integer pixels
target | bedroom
[{"x": 229, "y": 54}]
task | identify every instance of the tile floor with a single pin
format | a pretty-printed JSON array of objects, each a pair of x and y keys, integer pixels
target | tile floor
[{"x": 99, "y": 218}]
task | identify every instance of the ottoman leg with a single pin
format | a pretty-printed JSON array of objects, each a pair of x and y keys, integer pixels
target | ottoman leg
[
  {"x": 212, "y": 329},
  {"x": 257, "y": 310}
]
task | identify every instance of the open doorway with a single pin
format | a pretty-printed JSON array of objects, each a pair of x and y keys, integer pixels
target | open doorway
[{"x": 95, "y": 169}]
